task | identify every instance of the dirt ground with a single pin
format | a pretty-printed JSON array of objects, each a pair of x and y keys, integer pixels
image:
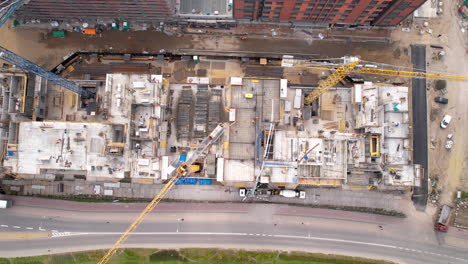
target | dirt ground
[
  {"x": 449, "y": 168},
  {"x": 40, "y": 47}
]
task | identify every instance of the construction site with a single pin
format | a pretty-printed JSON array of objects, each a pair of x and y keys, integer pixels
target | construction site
[{"x": 148, "y": 111}]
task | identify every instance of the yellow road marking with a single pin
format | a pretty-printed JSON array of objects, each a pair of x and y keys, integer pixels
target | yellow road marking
[{"x": 19, "y": 236}]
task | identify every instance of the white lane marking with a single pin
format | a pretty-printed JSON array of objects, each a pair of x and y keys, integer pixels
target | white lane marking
[
  {"x": 61, "y": 234},
  {"x": 41, "y": 229},
  {"x": 4, "y": 225},
  {"x": 16, "y": 227},
  {"x": 57, "y": 234},
  {"x": 30, "y": 228}
]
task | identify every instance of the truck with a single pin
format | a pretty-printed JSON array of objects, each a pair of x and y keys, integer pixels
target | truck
[
  {"x": 292, "y": 194},
  {"x": 4, "y": 204},
  {"x": 442, "y": 222}
]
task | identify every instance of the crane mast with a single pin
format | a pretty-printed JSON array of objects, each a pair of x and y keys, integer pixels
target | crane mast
[
  {"x": 32, "y": 67},
  {"x": 337, "y": 76},
  {"x": 7, "y": 8}
]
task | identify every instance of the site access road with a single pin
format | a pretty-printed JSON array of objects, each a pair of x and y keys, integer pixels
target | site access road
[{"x": 249, "y": 226}]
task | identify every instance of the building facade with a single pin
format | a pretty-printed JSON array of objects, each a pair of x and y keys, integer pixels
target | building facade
[
  {"x": 359, "y": 12},
  {"x": 136, "y": 10}
]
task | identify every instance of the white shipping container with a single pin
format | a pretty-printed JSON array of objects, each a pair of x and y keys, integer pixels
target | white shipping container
[
  {"x": 298, "y": 92},
  {"x": 297, "y": 102},
  {"x": 284, "y": 88},
  {"x": 220, "y": 169},
  {"x": 164, "y": 165},
  {"x": 358, "y": 93},
  {"x": 232, "y": 114}
]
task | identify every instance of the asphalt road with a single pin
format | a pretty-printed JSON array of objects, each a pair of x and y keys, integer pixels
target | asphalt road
[
  {"x": 419, "y": 106},
  {"x": 255, "y": 227}
]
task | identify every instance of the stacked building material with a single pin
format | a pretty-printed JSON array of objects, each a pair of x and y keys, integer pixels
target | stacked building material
[
  {"x": 201, "y": 112},
  {"x": 262, "y": 71},
  {"x": 184, "y": 109},
  {"x": 214, "y": 113}
]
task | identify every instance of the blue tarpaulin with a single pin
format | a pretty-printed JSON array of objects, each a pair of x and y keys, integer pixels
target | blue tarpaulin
[
  {"x": 183, "y": 157},
  {"x": 191, "y": 181},
  {"x": 205, "y": 182},
  {"x": 180, "y": 181}
]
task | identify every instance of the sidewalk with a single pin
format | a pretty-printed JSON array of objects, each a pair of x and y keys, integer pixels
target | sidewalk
[
  {"x": 197, "y": 207},
  {"x": 299, "y": 33},
  {"x": 333, "y": 198}
]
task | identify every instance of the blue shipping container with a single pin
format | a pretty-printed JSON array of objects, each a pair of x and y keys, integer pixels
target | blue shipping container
[
  {"x": 180, "y": 181},
  {"x": 205, "y": 182},
  {"x": 191, "y": 180}
]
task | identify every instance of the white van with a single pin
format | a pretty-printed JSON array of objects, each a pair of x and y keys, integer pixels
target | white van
[
  {"x": 4, "y": 204},
  {"x": 292, "y": 194}
]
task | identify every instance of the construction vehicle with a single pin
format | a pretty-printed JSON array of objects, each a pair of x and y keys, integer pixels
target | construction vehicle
[
  {"x": 442, "y": 222},
  {"x": 179, "y": 168},
  {"x": 291, "y": 193}
]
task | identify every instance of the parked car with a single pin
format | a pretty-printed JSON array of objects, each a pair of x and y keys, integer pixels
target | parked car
[
  {"x": 4, "y": 204},
  {"x": 445, "y": 121},
  {"x": 441, "y": 100}
]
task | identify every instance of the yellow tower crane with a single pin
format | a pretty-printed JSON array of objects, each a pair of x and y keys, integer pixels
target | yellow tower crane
[
  {"x": 340, "y": 71},
  {"x": 177, "y": 169},
  {"x": 353, "y": 65}
]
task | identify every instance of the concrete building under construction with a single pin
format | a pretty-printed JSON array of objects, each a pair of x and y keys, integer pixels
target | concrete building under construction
[{"x": 150, "y": 111}]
